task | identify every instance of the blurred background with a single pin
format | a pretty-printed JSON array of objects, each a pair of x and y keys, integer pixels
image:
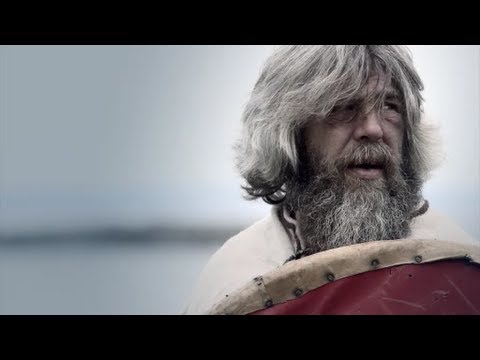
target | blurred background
[{"x": 116, "y": 167}]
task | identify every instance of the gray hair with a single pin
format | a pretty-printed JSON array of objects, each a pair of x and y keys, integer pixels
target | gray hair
[{"x": 298, "y": 82}]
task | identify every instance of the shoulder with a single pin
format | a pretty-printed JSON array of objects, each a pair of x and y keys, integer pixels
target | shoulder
[
  {"x": 434, "y": 224},
  {"x": 254, "y": 251}
]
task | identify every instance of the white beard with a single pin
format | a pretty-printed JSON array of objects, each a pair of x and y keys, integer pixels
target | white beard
[{"x": 333, "y": 210}]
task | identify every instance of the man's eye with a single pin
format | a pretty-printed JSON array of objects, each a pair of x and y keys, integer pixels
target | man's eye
[
  {"x": 350, "y": 107},
  {"x": 345, "y": 108},
  {"x": 391, "y": 106},
  {"x": 343, "y": 113},
  {"x": 392, "y": 111}
]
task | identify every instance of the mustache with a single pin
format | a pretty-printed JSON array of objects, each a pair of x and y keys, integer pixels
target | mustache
[
  {"x": 334, "y": 168},
  {"x": 368, "y": 154}
]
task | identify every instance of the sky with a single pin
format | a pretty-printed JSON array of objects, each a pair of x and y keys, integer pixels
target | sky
[{"x": 94, "y": 136}]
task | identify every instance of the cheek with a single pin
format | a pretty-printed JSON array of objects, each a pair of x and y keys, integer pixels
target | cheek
[
  {"x": 327, "y": 141},
  {"x": 314, "y": 139},
  {"x": 393, "y": 135},
  {"x": 399, "y": 138}
]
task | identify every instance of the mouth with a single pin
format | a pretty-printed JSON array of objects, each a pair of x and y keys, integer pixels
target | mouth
[{"x": 366, "y": 170}]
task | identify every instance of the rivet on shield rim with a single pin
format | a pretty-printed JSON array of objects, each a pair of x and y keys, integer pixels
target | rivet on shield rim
[
  {"x": 298, "y": 292},
  {"x": 418, "y": 259},
  {"x": 330, "y": 277},
  {"x": 268, "y": 303},
  {"x": 375, "y": 263}
]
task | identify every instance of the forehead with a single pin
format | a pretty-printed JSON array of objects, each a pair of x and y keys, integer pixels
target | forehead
[{"x": 379, "y": 85}]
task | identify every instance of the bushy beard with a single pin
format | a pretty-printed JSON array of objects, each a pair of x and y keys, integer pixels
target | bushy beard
[{"x": 335, "y": 209}]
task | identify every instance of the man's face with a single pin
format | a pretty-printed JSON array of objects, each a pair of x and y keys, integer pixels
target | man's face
[
  {"x": 359, "y": 122},
  {"x": 351, "y": 188}
]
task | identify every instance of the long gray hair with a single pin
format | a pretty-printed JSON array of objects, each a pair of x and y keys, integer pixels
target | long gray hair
[{"x": 298, "y": 82}]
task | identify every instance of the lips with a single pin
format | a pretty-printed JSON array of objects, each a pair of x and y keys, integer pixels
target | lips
[{"x": 367, "y": 170}]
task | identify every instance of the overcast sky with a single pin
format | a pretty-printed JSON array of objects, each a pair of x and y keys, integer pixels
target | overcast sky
[{"x": 141, "y": 135}]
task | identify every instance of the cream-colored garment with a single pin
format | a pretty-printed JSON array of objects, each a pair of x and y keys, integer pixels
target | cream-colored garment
[{"x": 265, "y": 245}]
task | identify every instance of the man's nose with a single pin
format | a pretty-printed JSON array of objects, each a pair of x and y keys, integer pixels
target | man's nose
[{"x": 369, "y": 127}]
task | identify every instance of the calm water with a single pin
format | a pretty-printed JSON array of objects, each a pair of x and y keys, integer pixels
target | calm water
[{"x": 89, "y": 277}]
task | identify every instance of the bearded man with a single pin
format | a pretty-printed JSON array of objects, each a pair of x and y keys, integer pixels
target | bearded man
[{"x": 334, "y": 138}]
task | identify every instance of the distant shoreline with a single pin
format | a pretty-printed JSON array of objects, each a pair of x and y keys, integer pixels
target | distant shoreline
[{"x": 135, "y": 236}]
